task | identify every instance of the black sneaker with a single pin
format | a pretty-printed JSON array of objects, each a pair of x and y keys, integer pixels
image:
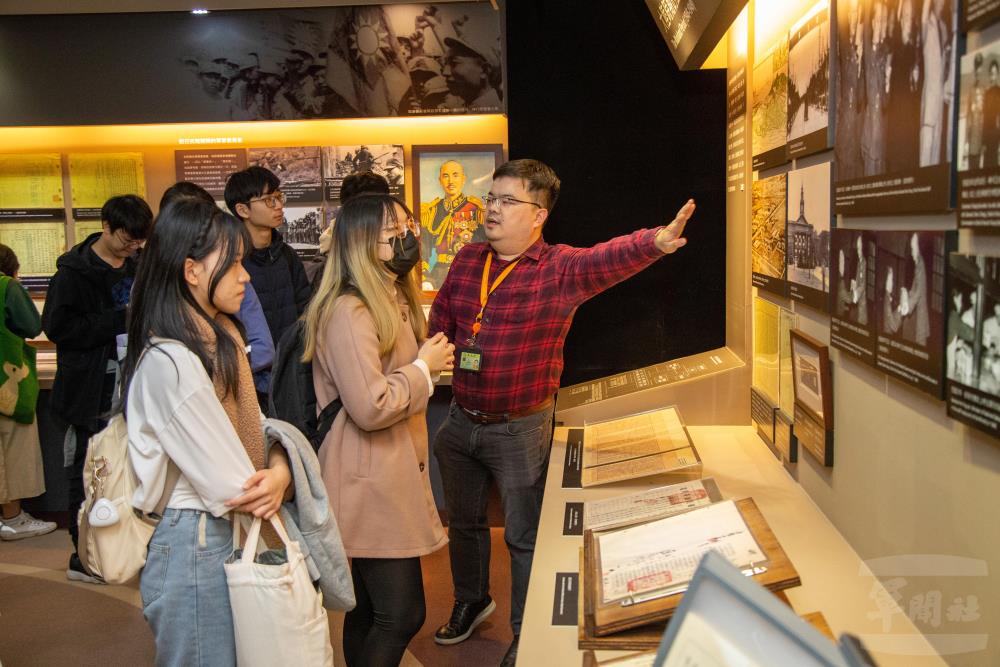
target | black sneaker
[
  {"x": 75, "y": 572},
  {"x": 510, "y": 658},
  {"x": 465, "y": 617}
]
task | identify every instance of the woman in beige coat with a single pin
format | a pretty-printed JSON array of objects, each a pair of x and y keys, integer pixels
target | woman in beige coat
[{"x": 365, "y": 333}]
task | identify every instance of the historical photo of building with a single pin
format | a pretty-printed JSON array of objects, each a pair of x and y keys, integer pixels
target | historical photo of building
[
  {"x": 809, "y": 82},
  {"x": 767, "y": 234},
  {"x": 808, "y": 235}
]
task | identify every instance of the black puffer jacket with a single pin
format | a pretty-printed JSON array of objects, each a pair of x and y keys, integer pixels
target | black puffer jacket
[
  {"x": 84, "y": 311},
  {"x": 280, "y": 280}
]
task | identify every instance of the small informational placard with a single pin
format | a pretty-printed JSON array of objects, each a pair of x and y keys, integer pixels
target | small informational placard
[
  {"x": 762, "y": 415},
  {"x": 31, "y": 187},
  {"x": 297, "y": 167},
  {"x": 784, "y": 437},
  {"x": 767, "y": 234},
  {"x": 573, "y": 465},
  {"x": 979, "y": 13},
  {"x": 573, "y": 519},
  {"x": 811, "y": 435},
  {"x": 852, "y": 320},
  {"x": 565, "y": 601},
  {"x": 210, "y": 168},
  {"x": 95, "y": 178}
]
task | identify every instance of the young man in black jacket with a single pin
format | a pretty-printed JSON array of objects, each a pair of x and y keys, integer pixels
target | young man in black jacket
[
  {"x": 276, "y": 272},
  {"x": 84, "y": 312}
]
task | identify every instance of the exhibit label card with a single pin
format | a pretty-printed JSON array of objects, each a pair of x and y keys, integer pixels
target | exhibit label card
[
  {"x": 979, "y": 13},
  {"x": 95, "y": 178},
  {"x": 736, "y": 95},
  {"x": 210, "y": 168},
  {"x": 565, "y": 601},
  {"x": 770, "y": 107},
  {"x": 807, "y": 247},
  {"x": 767, "y": 234},
  {"x": 894, "y": 119},
  {"x": 298, "y": 168},
  {"x": 972, "y": 342},
  {"x": 809, "y": 82},
  {"x": 573, "y": 464},
  {"x": 978, "y": 153},
  {"x": 31, "y": 187},
  {"x": 909, "y": 306},
  {"x": 852, "y": 327}
]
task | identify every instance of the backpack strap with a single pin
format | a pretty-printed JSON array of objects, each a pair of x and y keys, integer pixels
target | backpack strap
[{"x": 173, "y": 474}]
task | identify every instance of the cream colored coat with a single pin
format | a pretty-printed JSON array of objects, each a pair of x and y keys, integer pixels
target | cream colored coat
[{"x": 375, "y": 457}]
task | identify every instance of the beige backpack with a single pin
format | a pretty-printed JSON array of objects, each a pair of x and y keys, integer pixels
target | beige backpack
[{"x": 113, "y": 541}]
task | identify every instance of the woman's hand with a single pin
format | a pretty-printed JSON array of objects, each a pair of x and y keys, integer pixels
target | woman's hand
[
  {"x": 265, "y": 490},
  {"x": 437, "y": 353}
]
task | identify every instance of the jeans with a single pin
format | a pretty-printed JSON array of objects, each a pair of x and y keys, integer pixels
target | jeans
[
  {"x": 390, "y": 611},
  {"x": 515, "y": 454},
  {"x": 185, "y": 598}
]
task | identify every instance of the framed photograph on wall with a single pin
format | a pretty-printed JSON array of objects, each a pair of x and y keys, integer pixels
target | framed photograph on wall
[
  {"x": 767, "y": 234},
  {"x": 809, "y": 127},
  {"x": 813, "y": 396},
  {"x": 450, "y": 183}
]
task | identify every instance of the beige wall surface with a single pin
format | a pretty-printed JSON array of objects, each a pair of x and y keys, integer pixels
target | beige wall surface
[{"x": 914, "y": 492}]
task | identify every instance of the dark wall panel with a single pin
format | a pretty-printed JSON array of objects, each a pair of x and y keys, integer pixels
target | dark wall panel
[{"x": 595, "y": 94}]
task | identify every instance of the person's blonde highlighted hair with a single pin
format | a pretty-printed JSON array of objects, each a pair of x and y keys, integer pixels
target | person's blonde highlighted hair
[{"x": 353, "y": 267}]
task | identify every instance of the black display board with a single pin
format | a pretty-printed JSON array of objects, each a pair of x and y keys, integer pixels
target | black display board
[
  {"x": 287, "y": 64},
  {"x": 693, "y": 28}
]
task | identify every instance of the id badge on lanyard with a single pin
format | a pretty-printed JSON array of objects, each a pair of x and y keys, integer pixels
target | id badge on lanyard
[{"x": 470, "y": 356}]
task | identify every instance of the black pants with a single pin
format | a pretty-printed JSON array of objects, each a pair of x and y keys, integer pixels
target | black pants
[
  {"x": 390, "y": 611},
  {"x": 74, "y": 473}
]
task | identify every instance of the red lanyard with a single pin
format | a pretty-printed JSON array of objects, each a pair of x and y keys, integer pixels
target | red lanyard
[{"x": 486, "y": 290}]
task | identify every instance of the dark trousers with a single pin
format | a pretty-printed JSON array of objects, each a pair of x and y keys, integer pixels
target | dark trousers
[
  {"x": 74, "y": 473},
  {"x": 389, "y": 612},
  {"x": 515, "y": 454}
]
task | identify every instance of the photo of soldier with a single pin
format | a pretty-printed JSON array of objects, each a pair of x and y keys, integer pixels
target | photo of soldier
[
  {"x": 302, "y": 228},
  {"x": 298, "y": 167},
  {"x": 339, "y": 162},
  {"x": 449, "y": 222}
]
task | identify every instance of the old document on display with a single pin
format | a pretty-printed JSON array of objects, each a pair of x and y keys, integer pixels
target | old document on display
[
  {"x": 648, "y": 443},
  {"x": 659, "y": 558},
  {"x": 648, "y": 505}
]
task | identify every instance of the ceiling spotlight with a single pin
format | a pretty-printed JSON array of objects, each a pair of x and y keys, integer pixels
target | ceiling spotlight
[{"x": 199, "y": 11}]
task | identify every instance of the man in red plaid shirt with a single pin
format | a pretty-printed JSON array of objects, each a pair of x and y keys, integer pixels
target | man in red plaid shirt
[{"x": 508, "y": 305}]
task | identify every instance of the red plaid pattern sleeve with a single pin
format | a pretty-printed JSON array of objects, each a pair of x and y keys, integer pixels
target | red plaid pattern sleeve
[{"x": 528, "y": 316}]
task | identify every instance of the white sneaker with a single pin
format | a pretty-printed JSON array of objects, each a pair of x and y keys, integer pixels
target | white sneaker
[{"x": 24, "y": 525}]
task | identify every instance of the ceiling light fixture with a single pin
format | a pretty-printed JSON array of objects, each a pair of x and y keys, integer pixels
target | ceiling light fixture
[{"x": 199, "y": 11}]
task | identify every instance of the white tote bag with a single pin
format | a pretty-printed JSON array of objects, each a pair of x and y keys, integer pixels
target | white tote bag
[{"x": 278, "y": 614}]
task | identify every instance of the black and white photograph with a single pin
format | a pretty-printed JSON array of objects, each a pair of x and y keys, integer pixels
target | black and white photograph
[
  {"x": 811, "y": 377},
  {"x": 770, "y": 107},
  {"x": 809, "y": 80},
  {"x": 909, "y": 306},
  {"x": 767, "y": 234},
  {"x": 894, "y": 114},
  {"x": 807, "y": 244},
  {"x": 852, "y": 298},
  {"x": 297, "y": 167},
  {"x": 972, "y": 342},
  {"x": 302, "y": 228},
  {"x": 371, "y": 61},
  {"x": 339, "y": 162},
  {"x": 978, "y": 154}
]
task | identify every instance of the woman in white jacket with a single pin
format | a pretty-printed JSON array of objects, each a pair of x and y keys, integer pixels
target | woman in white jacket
[{"x": 190, "y": 399}]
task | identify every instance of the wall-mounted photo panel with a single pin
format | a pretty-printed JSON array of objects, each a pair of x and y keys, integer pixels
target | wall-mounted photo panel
[
  {"x": 895, "y": 106},
  {"x": 972, "y": 342},
  {"x": 807, "y": 244},
  {"x": 450, "y": 184},
  {"x": 767, "y": 234},
  {"x": 852, "y": 301},
  {"x": 910, "y": 305},
  {"x": 813, "y": 396},
  {"x": 979, "y": 13},
  {"x": 770, "y": 107},
  {"x": 301, "y": 229},
  {"x": 339, "y": 162},
  {"x": 809, "y": 80},
  {"x": 298, "y": 169},
  {"x": 978, "y": 146}
]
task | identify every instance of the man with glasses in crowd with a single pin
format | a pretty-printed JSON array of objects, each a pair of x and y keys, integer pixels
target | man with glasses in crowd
[
  {"x": 508, "y": 305},
  {"x": 84, "y": 313},
  {"x": 276, "y": 272}
]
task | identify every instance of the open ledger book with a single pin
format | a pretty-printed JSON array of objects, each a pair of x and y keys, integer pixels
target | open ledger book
[
  {"x": 635, "y": 576},
  {"x": 639, "y": 445},
  {"x": 656, "y": 503}
]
